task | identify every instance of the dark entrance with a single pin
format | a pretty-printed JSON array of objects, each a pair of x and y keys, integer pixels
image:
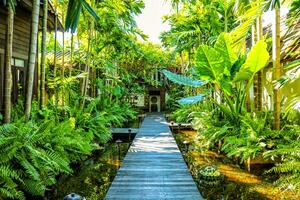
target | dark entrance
[
  {"x": 154, "y": 105},
  {"x": 19, "y": 80}
]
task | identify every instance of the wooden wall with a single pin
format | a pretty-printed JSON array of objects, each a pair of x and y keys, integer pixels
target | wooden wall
[{"x": 21, "y": 40}]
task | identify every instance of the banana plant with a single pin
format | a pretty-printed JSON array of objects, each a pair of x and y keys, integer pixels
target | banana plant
[{"x": 228, "y": 71}]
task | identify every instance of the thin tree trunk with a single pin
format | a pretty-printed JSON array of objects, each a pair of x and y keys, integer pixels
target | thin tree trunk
[
  {"x": 8, "y": 73},
  {"x": 43, "y": 56},
  {"x": 259, "y": 74},
  {"x": 32, "y": 55},
  {"x": 72, "y": 54},
  {"x": 255, "y": 90},
  {"x": 54, "y": 56},
  {"x": 87, "y": 69},
  {"x": 63, "y": 61},
  {"x": 249, "y": 102},
  {"x": 276, "y": 67},
  {"x": 181, "y": 62}
]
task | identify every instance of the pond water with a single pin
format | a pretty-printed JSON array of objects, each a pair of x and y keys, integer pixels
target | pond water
[
  {"x": 92, "y": 178},
  {"x": 238, "y": 183}
]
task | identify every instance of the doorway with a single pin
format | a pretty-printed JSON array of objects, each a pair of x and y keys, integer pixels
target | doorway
[{"x": 154, "y": 105}]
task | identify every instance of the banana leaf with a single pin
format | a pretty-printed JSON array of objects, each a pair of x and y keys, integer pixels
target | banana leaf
[
  {"x": 183, "y": 80},
  {"x": 191, "y": 100},
  {"x": 256, "y": 60}
]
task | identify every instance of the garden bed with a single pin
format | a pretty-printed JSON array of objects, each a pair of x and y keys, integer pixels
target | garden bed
[{"x": 238, "y": 183}]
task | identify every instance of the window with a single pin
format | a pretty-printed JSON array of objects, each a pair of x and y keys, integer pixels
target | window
[{"x": 18, "y": 62}]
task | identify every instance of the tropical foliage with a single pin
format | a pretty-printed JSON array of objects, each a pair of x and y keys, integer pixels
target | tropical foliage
[
  {"x": 216, "y": 55},
  {"x": 224, "y": 110}
]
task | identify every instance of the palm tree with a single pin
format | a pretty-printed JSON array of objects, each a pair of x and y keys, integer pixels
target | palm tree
[
  {"x": 43, "y": 55},
  {"x": 32, "y": 55},
  {"x": 8, "y": 73}
]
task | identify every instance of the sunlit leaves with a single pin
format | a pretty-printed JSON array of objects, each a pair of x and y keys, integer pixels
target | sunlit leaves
[
  {"x": 209, "y": 63},
  {"x": 247, "y": 19},
  {"x": 257, "y": 59},
  {"x": 223, "y": 46}
]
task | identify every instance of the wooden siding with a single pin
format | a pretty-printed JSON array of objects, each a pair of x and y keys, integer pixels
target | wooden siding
[
  {"x": 21, "y": 44},
  {"x": 21, "y": 38}
]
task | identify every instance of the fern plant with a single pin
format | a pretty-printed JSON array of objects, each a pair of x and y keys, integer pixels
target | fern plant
[
  {"x": 250, "y": 139},
  {"x": 32, "y": 154},
  {"x": 287, "y": 149}
]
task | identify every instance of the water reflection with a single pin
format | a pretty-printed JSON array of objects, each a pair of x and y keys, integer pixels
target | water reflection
[{"x": 93, "y": 177}]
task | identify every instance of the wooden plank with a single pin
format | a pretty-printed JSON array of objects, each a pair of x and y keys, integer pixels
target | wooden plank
[{"x": 153, "y": 167}]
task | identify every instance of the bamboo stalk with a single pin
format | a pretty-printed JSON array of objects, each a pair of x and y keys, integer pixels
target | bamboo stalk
[
  {"x": 54, "y": 56},
  {"x": 276, "y": 67},
  {"x": 8, "y": 72},
  {"x": 43, "y": 56},
  {"x": 32, "y": 56}
]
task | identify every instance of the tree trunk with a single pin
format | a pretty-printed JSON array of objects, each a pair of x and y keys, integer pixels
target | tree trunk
[
  {"x": 259, "y": 74},
  {"x": 87, "y": 70},
  {"x": 63, "y": 62},
  {"x": 54, "y": 56},
  {"x": 43, "y": 56},
  {"x": 32, "y": 55},
  {"x": 276, "y": 66},
  {"x": 249, "y": 102},
  {"x": 255, "y": 84},
  {"x": 72, "y": 54},
  {"x": 8, "y": 73}
]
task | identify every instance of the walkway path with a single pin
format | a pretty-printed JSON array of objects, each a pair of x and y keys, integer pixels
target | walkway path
[{"x": 153, "y": 168}]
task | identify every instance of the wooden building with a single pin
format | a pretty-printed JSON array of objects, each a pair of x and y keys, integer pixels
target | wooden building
[
  {"x": 21, "y": 45},
  {"x": 154, "y": 97}
]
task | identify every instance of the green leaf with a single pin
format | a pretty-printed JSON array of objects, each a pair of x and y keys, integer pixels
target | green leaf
[
  {"x": 89, "y": 9},
  {"x": 183, "y": 80},
  {"x": 73, "y": 13},
  {"x": 209, "y": 63},
  {"x": 191, "y": 100},
  {"x": 257, "y": 59},
  {"x": 293, "y": 64},
  {"x": 223, "y": 46}
]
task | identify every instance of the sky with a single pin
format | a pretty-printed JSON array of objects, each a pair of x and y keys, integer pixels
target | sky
[{"x": 150, "y": 21}]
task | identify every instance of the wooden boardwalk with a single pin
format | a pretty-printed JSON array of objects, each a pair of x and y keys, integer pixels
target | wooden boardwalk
[{"x": 153, "y": 168}]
